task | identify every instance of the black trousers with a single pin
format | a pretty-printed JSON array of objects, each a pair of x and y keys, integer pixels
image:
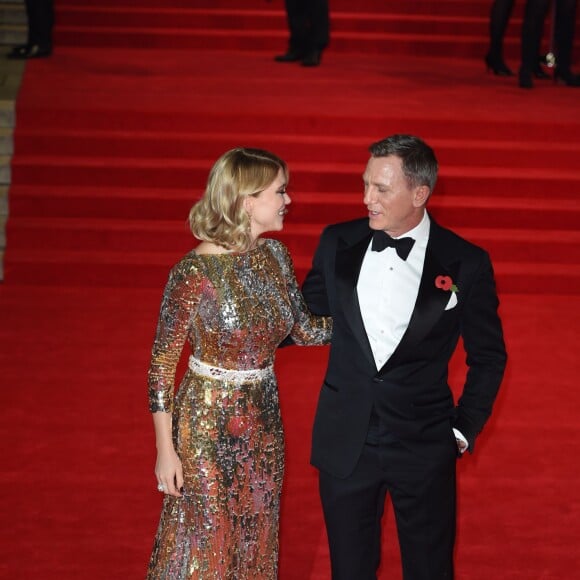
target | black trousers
[
  {"x": 499, "y": 16},
  {"x": 423, "y": 492},
  {"x": 532, "y": 28},
  {"x": 308, "y": 21},
  {"x": 40, "y": 22}
]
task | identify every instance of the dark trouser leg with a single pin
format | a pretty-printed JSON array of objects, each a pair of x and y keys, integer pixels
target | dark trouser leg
[
  {"x": 40, "y": 22},
  {"x": 499, "y": 16},
  {"x": 422, "y": 489},
  {"x": 297, "y": 25},
  {"x": 532, "y": 28},
  {"x": 353, "y": 508},
  {"x": 319, "y": 24},
  {"x": 424, "y": 498},
  {"x": 564, "y": 33}
]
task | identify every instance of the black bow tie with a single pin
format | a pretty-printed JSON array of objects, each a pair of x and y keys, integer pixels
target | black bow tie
[{"x": 382, "y": 240}]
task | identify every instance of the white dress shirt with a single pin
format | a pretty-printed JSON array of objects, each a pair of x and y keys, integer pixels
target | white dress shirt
[{"x": 387, "y": 290}]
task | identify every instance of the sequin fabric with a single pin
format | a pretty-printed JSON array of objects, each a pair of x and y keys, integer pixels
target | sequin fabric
[{"x": 233, "y": 310}]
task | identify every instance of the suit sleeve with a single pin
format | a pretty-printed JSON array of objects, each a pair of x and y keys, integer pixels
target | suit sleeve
[{"x": 482, "y": 335}]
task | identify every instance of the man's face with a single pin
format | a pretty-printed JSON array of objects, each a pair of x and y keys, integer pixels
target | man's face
[{"x": 393, "y": 206}]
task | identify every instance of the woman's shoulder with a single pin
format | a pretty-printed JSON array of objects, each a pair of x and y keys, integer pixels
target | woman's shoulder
[
  {"x": 188, "y": 265},
  {"x": 275, "y": 246},
  {"x": 280, "y": 253}
]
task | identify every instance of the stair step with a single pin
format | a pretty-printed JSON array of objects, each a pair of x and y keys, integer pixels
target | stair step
[
  {"x": 91, "y": 17},
  {"x": 3, "y": 200},
  {"x": 274, "y": 40},
  {"x": 10, "y": 76},
  {"x": 458, "y": 7},
  {"x": 12, "y": 13},
  {"x": 13, "y": 34},
  {"x": 287, "y": 122},
  {"x": 5, "y": 170},
  {"x": 209, "y": 146},
  {"x": 6, "y": 141},
  {"x": 3, "y": 218}
]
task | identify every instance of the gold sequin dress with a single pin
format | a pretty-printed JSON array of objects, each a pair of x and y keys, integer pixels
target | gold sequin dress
[{"x": 234, "y": 310}]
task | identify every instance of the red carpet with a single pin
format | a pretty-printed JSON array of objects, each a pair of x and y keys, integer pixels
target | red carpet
[
  {"x": 79, "y": 498},
  {"x": 113, "y": 144}
]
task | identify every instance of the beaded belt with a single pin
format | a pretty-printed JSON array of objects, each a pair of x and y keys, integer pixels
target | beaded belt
[{"x": 205, "y": 370}]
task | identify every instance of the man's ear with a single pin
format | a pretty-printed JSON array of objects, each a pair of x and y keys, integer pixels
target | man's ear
[{"x": 421, "y": 196}]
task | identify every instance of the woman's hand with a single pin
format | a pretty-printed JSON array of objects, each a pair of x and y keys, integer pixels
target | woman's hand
[
  {"x": 169, "y": 472},
  {"x": 168, "y": 469}
]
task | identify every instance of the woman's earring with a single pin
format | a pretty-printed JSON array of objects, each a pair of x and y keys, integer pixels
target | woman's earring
[{"x": 248, "y": 208}]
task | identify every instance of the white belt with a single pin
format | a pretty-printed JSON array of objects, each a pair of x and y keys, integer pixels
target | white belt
[{"x": 205, "y": 370}]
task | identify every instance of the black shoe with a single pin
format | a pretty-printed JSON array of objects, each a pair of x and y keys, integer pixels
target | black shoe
[
  {"x": 497, "y": 66},
  {"x": 566, "y": 76},
  {"x": 27, "y": 51},
  {"x": 525, "y": 79},
  {"x": 290, "y": 56},
  {"x": 18, "y": 50},
  {"x": 312, "y": 58}
]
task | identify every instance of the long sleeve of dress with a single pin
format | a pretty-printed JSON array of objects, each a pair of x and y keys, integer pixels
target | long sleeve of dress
[
  {"x": 308, "y": 329},
  {"x": 178, "y": 305}
]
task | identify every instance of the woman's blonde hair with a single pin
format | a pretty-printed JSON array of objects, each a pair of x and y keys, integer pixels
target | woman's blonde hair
[{"x": 219, "y": 216}]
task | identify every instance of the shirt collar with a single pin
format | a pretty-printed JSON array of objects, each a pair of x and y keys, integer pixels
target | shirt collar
[{"x": 420, "y": 232}]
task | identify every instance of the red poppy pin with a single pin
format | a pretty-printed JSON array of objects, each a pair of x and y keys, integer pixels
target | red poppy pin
[{"x": 446, "y": 283}]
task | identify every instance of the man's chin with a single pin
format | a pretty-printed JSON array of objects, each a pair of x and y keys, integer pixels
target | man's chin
[{"x": 375, "y": 224}]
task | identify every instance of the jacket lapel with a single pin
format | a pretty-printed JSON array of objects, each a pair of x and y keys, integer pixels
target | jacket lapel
[{"x": 430, "y": 304}]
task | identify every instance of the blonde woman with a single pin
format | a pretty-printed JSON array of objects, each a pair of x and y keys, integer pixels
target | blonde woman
[{"x": 220, "y": 443}]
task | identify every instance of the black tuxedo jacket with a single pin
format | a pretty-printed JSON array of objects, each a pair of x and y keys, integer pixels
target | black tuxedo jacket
[{"x": 410, "y": 393}]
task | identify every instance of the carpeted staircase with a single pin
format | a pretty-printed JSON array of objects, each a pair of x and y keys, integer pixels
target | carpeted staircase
[
  {"x": 116, "y": 134},
  {"x": 422, "y": 27}
]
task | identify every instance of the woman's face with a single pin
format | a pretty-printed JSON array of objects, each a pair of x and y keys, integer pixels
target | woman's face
[{"x": 268, "y": 208}]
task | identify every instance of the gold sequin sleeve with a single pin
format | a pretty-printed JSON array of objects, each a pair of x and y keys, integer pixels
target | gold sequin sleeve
[
  {"x": 178, "y": 306},
  {"x": 308, "y": 329}
]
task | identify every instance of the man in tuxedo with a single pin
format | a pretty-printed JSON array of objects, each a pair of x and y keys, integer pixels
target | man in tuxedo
[
  {"x": 401, "y": 291},
  {"x": 308, "y": 21}
]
